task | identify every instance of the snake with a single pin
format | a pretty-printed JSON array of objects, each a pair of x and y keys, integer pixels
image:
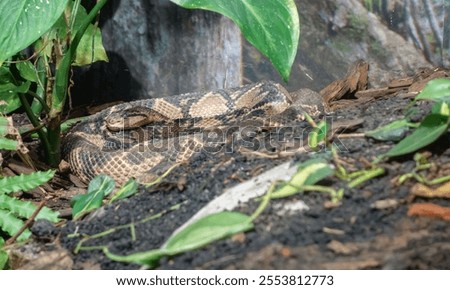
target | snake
[{"x": 143, "y": 139}]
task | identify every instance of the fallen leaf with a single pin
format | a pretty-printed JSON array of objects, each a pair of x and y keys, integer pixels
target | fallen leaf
[
  {"x": 421, "y": 190},
  {"x": 286, "y": 252},
  {"x": 429, "y": 210},
  {"x": 340, "y": 248},
  {"x": 385, "y": 203}
]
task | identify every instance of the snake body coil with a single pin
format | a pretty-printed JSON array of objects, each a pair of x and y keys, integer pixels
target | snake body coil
[{"x": 143, "y": 138}]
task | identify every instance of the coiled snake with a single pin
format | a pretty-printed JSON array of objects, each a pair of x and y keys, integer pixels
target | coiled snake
[{"x": 143, "y": 138}]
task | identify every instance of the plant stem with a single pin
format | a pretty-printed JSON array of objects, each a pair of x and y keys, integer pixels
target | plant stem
[
  {"x": 36, "y": 124},
  {"x": 59, "y": 93},
  {"x": 54, "y": 139}
]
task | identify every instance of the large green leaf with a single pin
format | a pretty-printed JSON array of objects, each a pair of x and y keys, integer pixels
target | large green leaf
[
  {"x": 207, "y": 230},
  {"x": 202, "y": 232},
  {"x": 272, "y": 26},
  {"x": 431, "y": 128},
  {"x": 23, "y": 21}
]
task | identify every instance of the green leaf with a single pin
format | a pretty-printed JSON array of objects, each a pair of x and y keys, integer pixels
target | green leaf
[
  {"x": 11, "y": 224},
  {"x": 8, "y": 144},
  {"x": 9, "y": 91},
  {"x": 318, "y": 134},
  {"x": 27, "y": 71},
  {"x": 25, "y": 209},
  {"x": 62, "y": 74},
  {"x": 98, "y": 188},
  {"x": 393, "y": 131},
  {"x": 24, "y": 21},
  {"x": 309, "y": 172},
  {"x": 441, "y": 108},
  {"x": 272, "y": 26},
  {"x": 202, "y": 232},
  {"x": 207, "y": 230},
  {"x": 91, "y": 47},
  {"x": 436, "y": 90},
  {"x": 3, "y": 255},
  {"x": 25, "y": 182},
  {"x": 3, "y": 126},
  {"x": 149, "y": 258},
  {"x": 127, "y": 190},
  {"x": 431, "y": 128}
]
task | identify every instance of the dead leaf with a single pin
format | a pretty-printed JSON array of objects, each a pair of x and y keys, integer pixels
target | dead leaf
[
  {"x": 385, "y": 203},
  {"x": 286, "y": 252},
  {"x": 429, "y": 210},
  {"x": 421, "y": 190},
  {"x": 340, "y": 248}
]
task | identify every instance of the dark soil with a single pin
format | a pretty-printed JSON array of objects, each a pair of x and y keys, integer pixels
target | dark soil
[
  {"x": 370, "y": 228},
  {"x": 354, "y": 234}
]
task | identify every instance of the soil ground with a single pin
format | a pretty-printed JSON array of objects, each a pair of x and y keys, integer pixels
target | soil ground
[{"x": 370, "y": 228}]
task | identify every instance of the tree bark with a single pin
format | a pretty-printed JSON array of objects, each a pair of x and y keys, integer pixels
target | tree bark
[{"x": 168, "y": 50}]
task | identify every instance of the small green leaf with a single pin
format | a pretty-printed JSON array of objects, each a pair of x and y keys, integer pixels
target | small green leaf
[
  {"x": 27, "y": 71},
  {"x": 431, "y": 128},
  {"x": 3, "y": 255},
  {"x": 25, "y": 209},
  {"x": 11, "y": 224},
  {"x": 436, "y": 90},
  {"x": 9, "y": 91},
  {"x": 25, "y": 182},
  {"x": 8, "y": 144},
  {"x": 393, "y": 131},
  {"x": 149, "y": 258},
  {"x": 315, "y": 170},
  {"x": 24, "y": 21},
  {"x": 127, "y": 190},
  {"x": 98, "y": 188},
  {"x": 318, "y": 134},
  {"x": 207, "y": 230},
  {"x": 310, "y": 172},
  {"x": 9, "y": 94},
  {"x": 272, "y": 26}
]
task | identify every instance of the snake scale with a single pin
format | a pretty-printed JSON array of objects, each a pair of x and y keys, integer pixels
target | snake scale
[{"x": 143, "y": 138}]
